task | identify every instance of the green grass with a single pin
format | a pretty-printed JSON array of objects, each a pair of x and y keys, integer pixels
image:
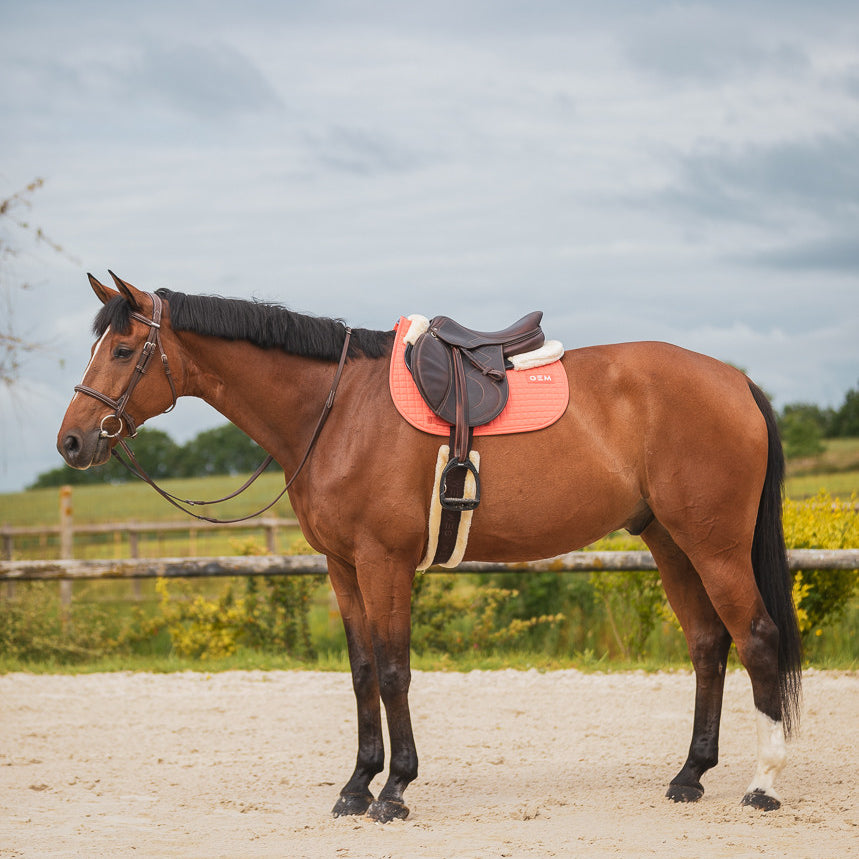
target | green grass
[
  {"x": 841, "y": 485},
  {"x": 138, "y": 502},
  {"x": 246, "y": 660},
  {"x": 122, "y": 501}
]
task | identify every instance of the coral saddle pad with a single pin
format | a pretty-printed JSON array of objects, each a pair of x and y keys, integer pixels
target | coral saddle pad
[{"x": 538, "y": 397}]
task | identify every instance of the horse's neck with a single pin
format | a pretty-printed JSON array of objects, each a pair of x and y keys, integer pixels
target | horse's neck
[{"x": 273, "y": 397}]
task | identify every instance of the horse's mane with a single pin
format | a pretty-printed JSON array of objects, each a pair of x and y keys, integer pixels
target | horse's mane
[{"x": 270, "y": 326}]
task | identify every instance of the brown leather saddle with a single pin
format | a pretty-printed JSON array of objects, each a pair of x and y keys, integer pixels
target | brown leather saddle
[{"x": 461, "y": 375}]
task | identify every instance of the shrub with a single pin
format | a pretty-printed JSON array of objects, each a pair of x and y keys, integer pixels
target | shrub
[
  {"x": 822, "y": 523},
  {"x": 634, "y": 603},
  {"x": 35, "y": 628},
  {"x": 202, "y": 628},
  {"x": 450, "y": 616},
  {"x": 272, "y": 615}
]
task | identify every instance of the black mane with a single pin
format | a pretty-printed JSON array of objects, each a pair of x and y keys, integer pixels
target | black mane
[{"x": 270, "y": 326}]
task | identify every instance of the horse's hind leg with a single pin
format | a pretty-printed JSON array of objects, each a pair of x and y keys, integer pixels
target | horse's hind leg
[
  {"x": 729, "y": 580},
  {"x": 355, "y": 797},
  {"x": 708, "y": 642}
]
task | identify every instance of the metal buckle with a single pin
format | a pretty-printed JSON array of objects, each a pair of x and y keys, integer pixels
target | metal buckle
[{"x": 458, "y": 505}]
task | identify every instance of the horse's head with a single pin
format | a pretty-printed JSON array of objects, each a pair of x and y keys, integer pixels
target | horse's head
[{"x": 117, "y": 394}]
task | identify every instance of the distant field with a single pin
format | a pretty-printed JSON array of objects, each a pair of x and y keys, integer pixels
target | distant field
[
  {"x": 836, "y": 470},
  {"x": 116, "y": 503},
  {"x": 139, "y": 502},
  {"x": 841, "y": 485}
]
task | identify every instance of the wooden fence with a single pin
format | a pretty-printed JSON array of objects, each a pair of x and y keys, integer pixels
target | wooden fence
[
  {"x": 69, "y": 570},
  {"x": 133, "y": 530}
]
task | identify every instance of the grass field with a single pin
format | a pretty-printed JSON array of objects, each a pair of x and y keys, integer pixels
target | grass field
[
  {"x": 116, "y": 503},
  {"x": 836, "y": 470}
]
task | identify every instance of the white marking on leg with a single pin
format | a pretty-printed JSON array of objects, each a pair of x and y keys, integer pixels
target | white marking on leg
[
  {"x": 92, "y": 358},
  {"x": 772, "y": 754}
]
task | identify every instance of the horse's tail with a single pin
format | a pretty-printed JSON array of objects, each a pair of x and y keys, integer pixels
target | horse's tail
[{"x": 772, "y": 574}]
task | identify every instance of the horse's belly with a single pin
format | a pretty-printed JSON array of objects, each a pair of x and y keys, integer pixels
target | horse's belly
[{"x": 544, "y": 517}]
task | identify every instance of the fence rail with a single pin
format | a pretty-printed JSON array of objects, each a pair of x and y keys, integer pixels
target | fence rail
[
  {"x": 66, "y": 531},
  {"x": 303, "y": 565}
]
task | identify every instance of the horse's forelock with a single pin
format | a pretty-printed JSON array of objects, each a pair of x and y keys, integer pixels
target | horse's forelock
[{"x": 115, "y": 314}]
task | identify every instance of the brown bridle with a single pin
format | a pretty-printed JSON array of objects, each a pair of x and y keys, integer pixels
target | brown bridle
[
  {"x": 120, "y": 405},
  {"x": 120, "y": 414}
]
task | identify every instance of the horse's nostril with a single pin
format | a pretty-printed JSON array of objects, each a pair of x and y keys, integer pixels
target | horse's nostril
[{"x": 72, "y": 444}]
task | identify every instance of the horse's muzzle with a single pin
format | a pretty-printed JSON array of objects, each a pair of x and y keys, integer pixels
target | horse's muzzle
[{"x": 83, "y": 449}]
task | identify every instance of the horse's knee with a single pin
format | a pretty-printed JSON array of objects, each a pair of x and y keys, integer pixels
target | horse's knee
[
  {"x": 708, "y": 650},
  {"x": 394, "y": 681},
  {"x": 363, "y": 675}
]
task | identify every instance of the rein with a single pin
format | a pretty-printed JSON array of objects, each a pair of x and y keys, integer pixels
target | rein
[{"x": 120, "y": 414}]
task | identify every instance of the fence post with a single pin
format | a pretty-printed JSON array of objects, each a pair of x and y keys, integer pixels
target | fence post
[
  {"x": 8, "y": 552},
  {"x": 134, "y": 551},
  {"x": 67, "y": 537},
  {"x": 271, "y": 538}
]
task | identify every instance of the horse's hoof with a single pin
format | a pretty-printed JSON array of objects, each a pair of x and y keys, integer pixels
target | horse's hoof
[
  {"x": 685, "y": 792},
  {"x": 386, "y": 810},
  {"x": 352, "y": 803},
  {"x": 760, "y": 800}
]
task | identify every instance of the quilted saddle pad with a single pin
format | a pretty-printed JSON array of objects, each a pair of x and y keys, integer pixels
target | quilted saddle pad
[{"x": 538, "y": 397}]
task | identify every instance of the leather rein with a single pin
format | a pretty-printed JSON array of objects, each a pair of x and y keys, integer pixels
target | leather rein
[{"x": 121, "y": 416}]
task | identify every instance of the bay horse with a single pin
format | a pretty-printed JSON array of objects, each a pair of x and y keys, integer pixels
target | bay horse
[{"x": 661, "y": 441}]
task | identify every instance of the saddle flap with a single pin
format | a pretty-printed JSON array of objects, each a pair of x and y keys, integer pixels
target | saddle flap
[{"x": 433, "y": 372}]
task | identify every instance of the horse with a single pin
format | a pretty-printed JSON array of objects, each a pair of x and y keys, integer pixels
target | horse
[{"x": 664, "y": 442}]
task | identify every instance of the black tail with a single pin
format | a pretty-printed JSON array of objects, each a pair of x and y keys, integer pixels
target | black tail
[{"x": 772, "y": 574}]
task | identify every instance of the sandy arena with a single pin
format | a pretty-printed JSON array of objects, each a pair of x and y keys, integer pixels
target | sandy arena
[{"x": 247, "y": 764}]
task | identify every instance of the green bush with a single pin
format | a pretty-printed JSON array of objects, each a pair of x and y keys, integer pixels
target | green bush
[
  {"x": 34, "y": 627},
  {"x": 450, "y": 615},
  {"x": 634, "y": 604}
]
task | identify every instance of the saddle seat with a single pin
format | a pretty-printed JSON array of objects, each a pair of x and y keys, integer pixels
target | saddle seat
[{"x": 522, "y": 336}]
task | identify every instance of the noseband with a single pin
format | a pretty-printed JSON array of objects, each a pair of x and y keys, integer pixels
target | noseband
[{"x": 120, "y": 406}]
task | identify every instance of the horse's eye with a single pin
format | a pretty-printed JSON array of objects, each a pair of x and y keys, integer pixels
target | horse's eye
[{"x": 122, "y": 352}]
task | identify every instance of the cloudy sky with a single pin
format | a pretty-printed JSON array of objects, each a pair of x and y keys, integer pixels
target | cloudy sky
[{"x": 639, "y": 170}]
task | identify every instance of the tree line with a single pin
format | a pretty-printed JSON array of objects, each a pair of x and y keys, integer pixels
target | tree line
[
  {"x": 803, "y": 426},
  {"x": 223, "y": 450}
]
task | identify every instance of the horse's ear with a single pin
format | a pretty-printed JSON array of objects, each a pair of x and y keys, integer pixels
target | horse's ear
[
  {"x": 104, "y": 293},
  {"x": 131, "y": 293}
]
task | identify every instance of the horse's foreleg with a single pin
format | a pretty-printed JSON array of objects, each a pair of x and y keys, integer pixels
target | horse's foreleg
[
  {"x": 387, "y": 595},
  {"x": 708, "y": 642},
  {"x": 355, "y": 797}
]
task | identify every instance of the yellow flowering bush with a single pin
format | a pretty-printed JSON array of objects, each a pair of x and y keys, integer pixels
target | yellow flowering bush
[
  {"x": 202, "y": 628},
  {"x": 822, "y": 522}
]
